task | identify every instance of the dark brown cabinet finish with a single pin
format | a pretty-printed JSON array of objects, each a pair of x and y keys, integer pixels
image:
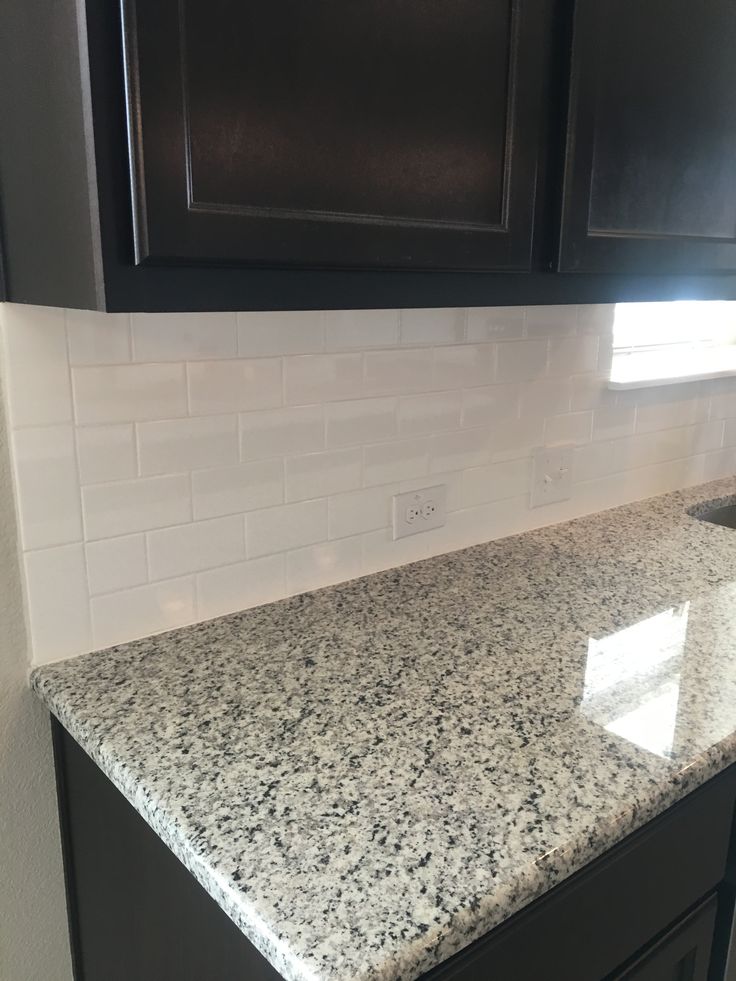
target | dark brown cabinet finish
[
  {"x": 336, "y": 134},
  {"x": 651, "y": 169}
]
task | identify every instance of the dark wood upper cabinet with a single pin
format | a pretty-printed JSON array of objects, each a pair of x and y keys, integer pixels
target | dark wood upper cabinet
[
  {"x": 382, "y": 133},
  {"x": 650, "y": 181},
  {"x": 252, "y": 155}
]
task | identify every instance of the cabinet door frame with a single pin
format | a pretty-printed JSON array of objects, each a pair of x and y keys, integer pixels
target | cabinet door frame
[
  {"x": 586, "y": 250},
  {"x": 170, "y": 228}
]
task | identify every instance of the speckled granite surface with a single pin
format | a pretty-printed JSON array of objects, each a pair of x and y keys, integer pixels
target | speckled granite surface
[{"x": 370, "y": 777}]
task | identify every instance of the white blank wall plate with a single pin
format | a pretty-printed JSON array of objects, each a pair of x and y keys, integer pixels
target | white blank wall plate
[
  {"x": 419, "y": 510},
  {"x": 551, "y": 474}
]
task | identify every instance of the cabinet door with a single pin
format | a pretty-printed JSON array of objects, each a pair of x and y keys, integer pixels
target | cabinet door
[
  {"x": 367, "y": 133},
  {"x": 683, "y": 954},
  {"x": 650, "y": 182}
]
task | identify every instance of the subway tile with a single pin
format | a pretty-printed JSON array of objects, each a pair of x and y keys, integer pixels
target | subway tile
[
  {"x": 145, "y": 610},
  {"x": 58, "y": 604},
  {"x": 323, "y": 564},
  {"x": 177, "y": 445},
  {"x": 445, "y": 325},
  {"x": 719, "y": 463},
  {"x": 398, "y": 460},
  {"x": 509, "y": 478},
  {"x": 233, "y": 490},
  {"x": 129, "y": 393},
  {"x": 729, "y": 432},
  {"x": 380, "y": 551},
  {"x": 47, "y": 486},
  {"x": 280, "y": 332},
  {"x": 425, "y": 414},
  {"x": 573, "y": 355},
  {"x": 116, "y": 563},
  {"x": 454, "y": 451},
  {"x": 452, "y": 479},
  {"x": 278, "y": 432},
  {"x": 238, "y": 385},
  {"x": 281, "y": 528},
  {"x": 464, "y": 366},
  {"x": 320, "y": 474},
  {"x": 241, "y": 586},
  {"x": 613, "y": 421},
  {"x": 596, "y": 318},
  {"x": 591, "y": 392},
  {"x": 551, "y": 321},
  {"x": 516, "y": 438},
  {"x": 546, "y": 397},
  {"x": 360, "y": 329},
  {"x": 665, "y": 413},
  {"x": 127, "y": 506},
  {"x": 495, "y": 323},
  {"x": 195, "y": 547},
  {"x": 37, "y": 371},
  {"x": 572, "y": 427},
  {"x": 723, "y": 405},
  {"x": 98, "y": 338},
  {"x": 360, "y": 421},
  {"x": 183, "y": 336},
  {"x": 106, "y": 453},
  {"x": 521, "y": 360},
  {"x": 359, "y": 511},
  {"x": 493, "y": 405},
  {"x": 322, "y": 378},
  {"x": 398, "y": 372}
]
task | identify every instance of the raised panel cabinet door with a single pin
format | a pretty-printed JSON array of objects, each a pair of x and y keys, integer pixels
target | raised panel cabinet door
[
  {"x": 336, "y": 133},
  {"x": 650, "y": 175}
]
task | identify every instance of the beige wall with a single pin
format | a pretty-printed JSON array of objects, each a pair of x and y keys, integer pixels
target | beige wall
[{"x": 33, "y": 938}]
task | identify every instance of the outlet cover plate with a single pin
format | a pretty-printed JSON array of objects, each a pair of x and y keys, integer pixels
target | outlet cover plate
[
  {"x": 552, "y": 474},
  {"x": 419, "y": 510}
]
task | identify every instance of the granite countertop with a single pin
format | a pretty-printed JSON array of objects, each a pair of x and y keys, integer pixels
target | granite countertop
[{"x": 370, "y": 777}]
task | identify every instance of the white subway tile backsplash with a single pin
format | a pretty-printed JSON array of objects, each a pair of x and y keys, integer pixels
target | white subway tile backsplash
[
  {"x": 58, "y": 602},
  {"x": 37, "y": 369},
  {"x": 280, "y": 332},
  {"x": 195, "y": 547},
  {"x": 360, "y": 421},
  {"x": 521, "y": 360},
  {"x": 127, "y": 506},
  {"x": 233, "y": 490},
  {"x": 398, "y": 372},
  {"x": 441, "y": 326},
  {"x": 495, "y": 323},
  {"x": 324, "y": 564},
  {"x": 240, "y": 586},
  {"x": 401, "y": 460},
  {"x": 234, "y": 386},
  {"x": 177, "y": 445},
  {"x": 106, "y": 453},
  {"x": 321, "y": 474},
  {"x": 142, "y": 611},
  {"x": 98, "y": 338},
  {"x": 281, "y": 528},
  {"x": 116, "y": 563},
  {"x": 360, "y": 329},
  {"x": 420, "y": 415},
  {"x": 282, "y": 432},
  {"x": 358, "y": 511},
  {"x": 153, "y": 492},
  {"x": 183, "y": 336},
  {"x": 47, "y": 482},
  {"x": 128, "y": 393},
  {"x": 322, "y": 378}
]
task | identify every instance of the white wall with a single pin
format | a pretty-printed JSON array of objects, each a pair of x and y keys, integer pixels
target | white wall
[
  {"x": 171, "y": 468},
  {"x": 33, "y": 938}
]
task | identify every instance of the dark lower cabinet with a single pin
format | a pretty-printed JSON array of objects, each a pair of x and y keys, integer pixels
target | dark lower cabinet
[
  {"x": 650, "y": 183},
  {"x": 683, "y": 954},
  {"x": 656, "y": 907}
]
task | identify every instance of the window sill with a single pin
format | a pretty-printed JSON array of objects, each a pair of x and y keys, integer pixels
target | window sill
[
  {"x": 652, "y": 368},
  {"x": 620, "y": 386}
]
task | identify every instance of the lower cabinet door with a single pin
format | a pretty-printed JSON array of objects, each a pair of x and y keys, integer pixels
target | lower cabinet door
[{"x": 682, "y": 954}]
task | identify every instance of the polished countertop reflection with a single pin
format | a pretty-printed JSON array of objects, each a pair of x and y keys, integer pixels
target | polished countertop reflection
[{"x": 370, "y": 777}]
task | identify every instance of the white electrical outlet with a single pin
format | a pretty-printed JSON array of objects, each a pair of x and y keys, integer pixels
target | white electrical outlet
[
  {"x": 552, "y": 475},
  {"x": 419, "y": 510}
]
